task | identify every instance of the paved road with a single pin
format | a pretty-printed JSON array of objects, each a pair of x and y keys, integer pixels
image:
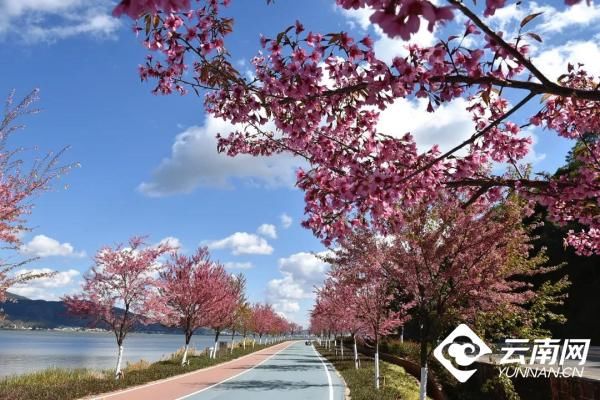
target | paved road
[
  {"x": 290, "y": 371},
  {"x": 295, "y": 373}
]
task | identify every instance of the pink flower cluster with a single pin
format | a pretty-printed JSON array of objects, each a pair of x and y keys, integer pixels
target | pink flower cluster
[
  {"x": 136, "y": 8},
  {"x": 323, "y": 94},
  {"x": 175, "y": 37}
]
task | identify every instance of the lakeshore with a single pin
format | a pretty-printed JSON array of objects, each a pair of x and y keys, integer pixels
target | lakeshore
[{"x": 26, "y": 351}]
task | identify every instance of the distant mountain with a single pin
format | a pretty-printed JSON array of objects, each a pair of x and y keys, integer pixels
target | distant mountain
[
  {"x": 41, "y": 314},
  {"x": 13, "y": 296}
]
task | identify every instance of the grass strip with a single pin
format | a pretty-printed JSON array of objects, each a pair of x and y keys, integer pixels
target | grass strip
[{"x": 396, "y": 383}]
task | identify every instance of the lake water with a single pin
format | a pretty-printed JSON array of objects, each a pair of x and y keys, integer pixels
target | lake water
[{"x": 27, "y": 351}]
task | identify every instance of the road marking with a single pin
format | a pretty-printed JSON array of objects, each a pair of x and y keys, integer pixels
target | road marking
[
  {"x": 235, "y": 376},
  {"x": 327, "y": 372},
  {"x": 158, "y": 382}
]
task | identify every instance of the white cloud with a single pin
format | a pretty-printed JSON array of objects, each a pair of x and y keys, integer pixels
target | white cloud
[
  {"x": 242, "y": 243},
  {"x": 306, "y": 268},
  {"x": 268, "y": 230},
  {"x": 301, "y": 273},
  {"x": 51, "y": 20},
  {"x": 49, "y": 288},
  {"x": 172, "y": 242},
  {"x": 195, "y": 162},
  {"x": 286, "y": 288},
  {"x": 286, "y": 221},
  {"x": 238, "y": 265},
  {"x": 98, "y": 25},
  {"x": 578, "y": 15},
  {"x": 44, "y": 246},
  {"x": 286, "y": 307},
  {"x": 448, "y": 126},
  {"x": 359, "y": 17},
  {"x": 551, "y": 20},
  {"x": 553, "y": 62}
]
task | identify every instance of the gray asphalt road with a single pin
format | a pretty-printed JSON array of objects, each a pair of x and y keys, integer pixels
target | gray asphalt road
[{"x": 295, "y": 373}]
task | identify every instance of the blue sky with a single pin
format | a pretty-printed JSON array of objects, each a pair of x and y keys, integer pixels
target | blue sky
[{"x": 149, "y": 165}]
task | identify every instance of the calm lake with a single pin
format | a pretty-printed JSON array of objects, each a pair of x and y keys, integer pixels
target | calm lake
[{"x": 27, "y": 351}]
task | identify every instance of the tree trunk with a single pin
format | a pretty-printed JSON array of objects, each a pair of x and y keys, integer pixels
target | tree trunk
[
  {"x": 188, "y": 336},
  {"x": 244, "y": 341},
  {"x": 232, "y": 341},
  {"x": 342, "y": 346},
  {"x": 184, "y": 359},
  {"x": 423, "y": 383},
  {"x": 355, "y": 353},
  {"x": 402, "y": 334},
  {"x": 119, "y": 360},
  {"x": 377, "y": 363},
  {"x": 216, "y": 346}
]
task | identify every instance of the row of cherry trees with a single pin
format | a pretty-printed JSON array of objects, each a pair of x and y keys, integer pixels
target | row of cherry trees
[
  {"x": 445, "y": 265},
  {"x": 132, "y": 285}
]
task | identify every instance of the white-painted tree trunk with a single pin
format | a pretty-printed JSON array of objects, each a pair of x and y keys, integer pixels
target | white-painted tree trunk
[
  {"x": 402, "y": 335},
  {"x": 377, "y": 367},
  {"x": 184, "y": 359},
  {"x": 355, "y": 354},
  {"x": 232, "y": 345},
  {"x": 119, "y": 360},
  {"x": 215, "y": 348},
  {"x": 423, "y": 384},
  {"x": 342, "y": 348},
  {"x": 244, "y": 344}
]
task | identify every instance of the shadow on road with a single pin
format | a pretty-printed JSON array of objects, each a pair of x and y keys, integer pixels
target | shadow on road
[{"x": 262, "y": 385}]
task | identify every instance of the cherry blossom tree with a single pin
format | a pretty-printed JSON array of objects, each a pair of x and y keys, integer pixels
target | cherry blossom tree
[
  {"x": 340, "y": 301},
  {"x": 455, "y": 263},
  {"x": 294, "y": 329},
  {"x": 244, "y": 322},
  {"x": 237, "y": 317},
  {"x": 321, "y": 92},
  {"x": 222, "y": 315},
  {"x": 279, "y": 327},
  {"x": 116, "y": 289},
  {"x": 19, "y": 182},
  {"x": 361, "y": 265},
  {"x": 188, "y": 288},
  {"x": 262, "y": 319}
]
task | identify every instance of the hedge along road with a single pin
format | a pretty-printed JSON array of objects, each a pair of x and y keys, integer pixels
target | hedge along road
[{"x": 290, "y": 371}]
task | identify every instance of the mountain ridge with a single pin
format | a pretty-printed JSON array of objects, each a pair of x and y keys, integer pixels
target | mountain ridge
[{"x": 22, "y": 312}]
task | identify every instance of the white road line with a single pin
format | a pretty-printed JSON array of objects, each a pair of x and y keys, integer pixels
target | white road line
[
  {"x": 161, "y": 381},
  {"x": 327, "y": 372},
  {"x": 235, "y": 376}
]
